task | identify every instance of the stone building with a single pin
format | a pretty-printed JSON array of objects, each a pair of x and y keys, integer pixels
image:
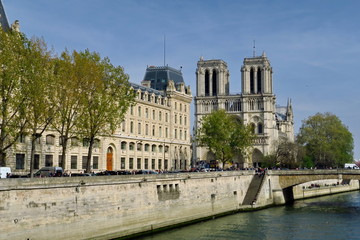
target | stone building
[
  {"x": 154, "y": 135},
  {"x": 255, "y": 105}
]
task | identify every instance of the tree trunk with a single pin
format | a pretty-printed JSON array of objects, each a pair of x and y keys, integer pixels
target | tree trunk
[
  {"x": 32, "y": 154},
  {"x": 64, "y": 149},
  {"x": 88, "y": 163},
  {"x": 2, "y": 158}
]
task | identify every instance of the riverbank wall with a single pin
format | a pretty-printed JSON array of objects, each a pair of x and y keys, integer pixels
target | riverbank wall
[{"x": 107, "y": 207}]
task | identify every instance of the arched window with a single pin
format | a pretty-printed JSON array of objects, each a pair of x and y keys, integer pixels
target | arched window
[
  {"x": 207, "y": 83},
  {"x": 131, "y": 146},
  {"x": 123, "y": 145},
  {"x": 259, "y": 85},
  {"x": 252, "y": 81},
  {"x": 214, "y": 83},
  {"x": 96, "y": 143},
  {"x": 153, "y": 148},
  {"x": 260, "y": 128},
  {"x": 139, "y": 147},
  {"x": 253, "y": 127},
  {"x": 147, "y": 147},
  {"x": 50, "y": 139}
]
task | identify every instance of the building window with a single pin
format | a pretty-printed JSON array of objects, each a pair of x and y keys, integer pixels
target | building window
[
  {"x": 175, "y": 105},
  {"x": 153, "y": 130},
  {"x": 260, "y": 128},
  {"x": 131, "y": 163},
  {"x": 153, "y": 114},
  {"x": 160, "y": 148},
  {"x": 50, "y": 139},
  {"x": 139, "y": 128},
  {"x": 160, "y": 116},
  {"x": 131, "y": 146},
  {"x": 138, "y": 163},
  {"x": 146, "y": 163},
  {"x": 185, "y": 120},
  {"x": 166, "y": 166},
  {"x": 166, "y": 132},
  {"x": 252, "y": 81},
  {"x": 180, "y": 136},
  {"x": 160, "y": 131},
  {"x": 73, "y": 162},
  {"x": 146, "y": 129},
  {"x": 139, "y": 111},
  {"x": 146, "y": 112},
  {"x": 147, "y": 146},
  {"x": 86, "y": 142},
  {"x": 175, "y": 118},
  {"x": 180, "y": 107},
  {"x": 132, "y": 110},
  {"x": 122, "y": 162},
  {"x": 180, "y": 120},
  {"x": 159, "y": 164},
  {"x": 96, "y": 143},
  {"x": 21, "y": 138},
  {"x": 123, "y": 125},
  {"x": 48, "y": 160},
  {"x": 139, "y": 147},
  {"x": 175, "y": 133},
  {"x": 166, "y": 117},
  {"x": 74, "y": 142},
  {"x": 152, "y": 163},
  {"x": 153, "y": 148},
  {"x": 84, "y": 162},
  {"x": 166, "y": 149},
  {"x": 131, "y": 127},
  {"x": 185, "y": 135},
  {"x": 20, "y": 161},
  {"x": 123, "y": 145},
  {"x": 37, "y": 161},
  {"x": 95, "y": 162}
]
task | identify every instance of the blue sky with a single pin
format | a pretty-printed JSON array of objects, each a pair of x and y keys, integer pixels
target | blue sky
[{"x": 313, "y": 45}]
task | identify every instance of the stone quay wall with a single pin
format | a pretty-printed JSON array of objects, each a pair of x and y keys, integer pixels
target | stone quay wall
[{"x": 106, "y": 207}]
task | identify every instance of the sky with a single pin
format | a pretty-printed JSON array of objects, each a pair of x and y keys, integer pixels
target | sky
[{"x": 313, "y": 45}]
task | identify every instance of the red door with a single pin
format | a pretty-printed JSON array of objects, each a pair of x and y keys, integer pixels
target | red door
[{"x": 109, "y": 161}]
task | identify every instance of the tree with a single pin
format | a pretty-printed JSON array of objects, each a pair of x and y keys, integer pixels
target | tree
[
  {"x": 13, "y": 46},
  {"x": 225, "y": 135},
  {"x": 37, "y": 88},
  {"x": 285, "y": 154},
  {"x": 328, "y": 142},
  {"x": 67, "y": 99},
  {"x": 106, "y": 96}
]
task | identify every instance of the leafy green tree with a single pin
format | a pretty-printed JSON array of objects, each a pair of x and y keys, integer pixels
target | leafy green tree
[
  {"x": 37, "y": 87},
  {"x": 13, "y": 46},
  {"x": 327, "y": 140},
  {"x": 67, "y": 95},
  {"x": 285, "y": 154},
  {"x": 106, "y": 96},
  {"x": 225, "y": 135}
]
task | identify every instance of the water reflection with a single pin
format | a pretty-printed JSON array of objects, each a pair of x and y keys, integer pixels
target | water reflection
[{"x": 331, "y": 217}]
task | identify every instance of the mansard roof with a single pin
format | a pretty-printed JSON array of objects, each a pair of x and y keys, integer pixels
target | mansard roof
[
  {"x": 149, "y": 90},
  {"x": 160, "y": 76}
]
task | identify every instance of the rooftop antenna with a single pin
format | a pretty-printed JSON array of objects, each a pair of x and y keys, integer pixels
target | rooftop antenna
[
  {"x": 254, "y": 49},
  {"x": 164, "y": 48}
]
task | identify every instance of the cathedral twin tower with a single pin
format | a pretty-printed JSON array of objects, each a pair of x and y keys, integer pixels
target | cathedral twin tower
[{"x": 255, "y": 105}]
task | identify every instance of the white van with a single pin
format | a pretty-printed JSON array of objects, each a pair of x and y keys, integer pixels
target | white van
[
  {"x": 4, "y": 171},
  {"x": 351, "y": 166}
]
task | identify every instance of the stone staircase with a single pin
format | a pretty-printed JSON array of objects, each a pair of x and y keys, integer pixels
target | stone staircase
[{"x": 253, "y": 190}]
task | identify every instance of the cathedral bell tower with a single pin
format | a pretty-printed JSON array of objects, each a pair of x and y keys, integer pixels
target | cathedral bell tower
[
  {"x": 256, "y": 75},
  {"x": 212, "y": 78}
]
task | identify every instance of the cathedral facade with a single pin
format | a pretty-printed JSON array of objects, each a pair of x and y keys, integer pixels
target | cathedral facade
[{"x": 255, "y": 105}]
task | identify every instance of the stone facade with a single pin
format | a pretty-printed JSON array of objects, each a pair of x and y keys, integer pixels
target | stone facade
[
  {"x": 155, "y": 135},
  {"x": 256, "y": 105}
]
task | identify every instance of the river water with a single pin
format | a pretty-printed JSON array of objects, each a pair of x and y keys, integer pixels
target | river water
[{"x": 331, "y": 217}]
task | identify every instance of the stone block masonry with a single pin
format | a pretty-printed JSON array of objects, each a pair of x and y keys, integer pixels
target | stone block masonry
[
  {"x": 114, "y": 206},
  {"x": 107, "y": 207}
]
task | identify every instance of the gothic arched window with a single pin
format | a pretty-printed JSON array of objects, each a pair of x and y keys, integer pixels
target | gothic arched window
[
  {"x": 214, "y": 83},
  {"x": 260, "y": 128},
  {"x": 252, "y": 81},
  {"x": 207, "y": 83},
  {"x": 259, "y": 85}
]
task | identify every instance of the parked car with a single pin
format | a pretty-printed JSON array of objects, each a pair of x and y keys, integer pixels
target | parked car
[{"x": 49, "y": 172}]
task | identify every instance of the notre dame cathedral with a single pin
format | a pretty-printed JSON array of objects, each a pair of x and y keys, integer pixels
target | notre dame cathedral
[{"x": 255, "y": 105}]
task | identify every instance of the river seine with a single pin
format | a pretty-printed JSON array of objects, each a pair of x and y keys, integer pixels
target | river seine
[{"x": 331, "y": 217}]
